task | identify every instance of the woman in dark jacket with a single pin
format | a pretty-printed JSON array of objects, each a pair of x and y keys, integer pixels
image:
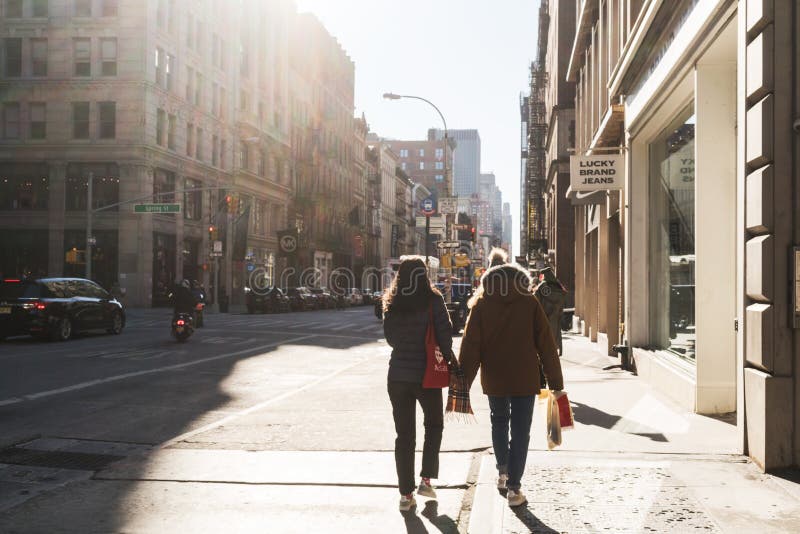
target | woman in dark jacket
[{"x": 407, "y": 308}]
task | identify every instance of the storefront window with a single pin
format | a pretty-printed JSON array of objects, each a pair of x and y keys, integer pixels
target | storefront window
[
  {"x": 105, "y": 186},
  {"x": 672, "y": 239},
  {"x": 24, "y": 187},
  {"x": 25, "y": 253}
]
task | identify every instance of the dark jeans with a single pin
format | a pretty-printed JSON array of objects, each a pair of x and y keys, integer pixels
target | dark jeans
[
  {"x": 511, "y": 456},
  {"x": 404, "y": 397}
]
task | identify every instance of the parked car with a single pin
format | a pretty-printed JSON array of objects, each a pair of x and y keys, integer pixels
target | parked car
[
  {"x": 324, "y": 297},
  {"x": 301, "y": 299},
  {"x": 354, "y": 295},
  {"x": 57, "y": 308},
  {"x": 267, "y": 300}
]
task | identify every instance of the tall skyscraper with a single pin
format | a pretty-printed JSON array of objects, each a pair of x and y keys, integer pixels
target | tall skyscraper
[{"x": 467, "y": 169}]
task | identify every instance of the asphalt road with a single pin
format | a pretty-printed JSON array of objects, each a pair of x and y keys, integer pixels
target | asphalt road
[{"x": 101, "y": 385}]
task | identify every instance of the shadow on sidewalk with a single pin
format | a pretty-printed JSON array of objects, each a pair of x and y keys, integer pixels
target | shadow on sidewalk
[
  {"x": 443, "y": 523},
  {"x": 589, "y": 415},
  {"x": 529, "y": 519}
]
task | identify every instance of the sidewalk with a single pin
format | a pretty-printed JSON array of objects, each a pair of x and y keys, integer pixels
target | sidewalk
[{"x": 634, "y": 463}]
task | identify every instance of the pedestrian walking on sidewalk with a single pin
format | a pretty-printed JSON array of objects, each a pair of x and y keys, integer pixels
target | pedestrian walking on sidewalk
[
  {"x": 409, "y": 304},
  {"x": 506, "y": 336}
]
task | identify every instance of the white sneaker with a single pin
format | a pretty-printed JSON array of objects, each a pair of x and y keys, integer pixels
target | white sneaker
[
  {"x": 502, "y": 480},
  {"x": 516, "y": 498},
  {"x": 407, "y": 502},
  {"x": 426, "y": 490}
]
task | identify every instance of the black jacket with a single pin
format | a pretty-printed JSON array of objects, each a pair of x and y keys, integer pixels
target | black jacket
[
  {"x": 405, "y": 333},
  {"x": 183, "y": 300}
]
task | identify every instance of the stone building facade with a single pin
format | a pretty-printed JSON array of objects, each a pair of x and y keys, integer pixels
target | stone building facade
[
  {"x": 149, "y": 99},
  {"x": 703, "y": 234}
]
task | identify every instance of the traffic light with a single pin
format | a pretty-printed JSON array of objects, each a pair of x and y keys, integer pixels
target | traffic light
[
  {"x": 212, "y": 232},
  {"x": 474, "y": 234}
]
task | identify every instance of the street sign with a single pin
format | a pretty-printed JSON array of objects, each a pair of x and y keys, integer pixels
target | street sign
[
  {"x": 436, "y": 222},
  {"x": 218, "y": 246},
  {"x": 448, "y": 205},
  {"x": 156, "y": 208},
  {"x": 427, "y": 206},
  {"x": 250, "y": 267},
  {"x": 449, "y": 244},
  {"x": 92, "y": 241}
]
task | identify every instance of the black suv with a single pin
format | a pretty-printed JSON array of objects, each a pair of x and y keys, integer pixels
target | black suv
[
  {"x": 56, "y": 308},
  {"x": 267, "y": 300}
]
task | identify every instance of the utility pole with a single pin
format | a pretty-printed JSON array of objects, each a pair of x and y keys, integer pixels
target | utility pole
[{"x": 89, "y": 238}]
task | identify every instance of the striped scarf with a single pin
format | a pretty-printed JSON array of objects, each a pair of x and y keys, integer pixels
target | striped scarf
[{"x": 458, "y": 407}]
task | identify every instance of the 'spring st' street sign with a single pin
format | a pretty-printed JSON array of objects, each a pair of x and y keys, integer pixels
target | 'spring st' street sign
[{"x": 157, "y": 208}]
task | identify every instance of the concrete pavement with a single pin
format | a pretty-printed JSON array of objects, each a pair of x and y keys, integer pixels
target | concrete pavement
[{"x": 298, "y": 437}]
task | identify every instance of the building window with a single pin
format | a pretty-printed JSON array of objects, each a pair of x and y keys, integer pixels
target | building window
[
  {"x": 223, "y": 150},
  {"x": 163, "y": 186},
  {"x": 41, "y": 8},
  {"x": 105, "y": 185},
  {"x": 199, "y": 145},
  {"x": 108, "y": 56},
  {"x": 80, "y": 120},
  {"x": 11, "y": 120},
  {"x": 192, "y": 201},
  {"x": 198, "y": 89},
  {"x": 243, "y": 100},
  {"x": 13, "y": 46},
  {"x": 189, "y": 139},
  {"x": 172, "y": 124},
  {"x": 672, "y": 238},
  {"x": 110, "y": 8},
  {"x": 38, "y": 116},
  {"x": 161, "y": 59},
  {"x": 403, "y": 152},
  {"x": 161, "y": 117},
  {"x": 439, "y": 153},
  {"x": 422, "y": 165},
  {"x": 422, "y": 152},
  {"x": 262, "y": 163},
  {"x": 169, "y": 68},
  {"x": 83, "y": 8},
  {"x": 243, "y": 160},
  {"x": 39, "y": 57},
  {"x": 13, "y": 9},
  {"x": 439, "y": 178},
  {"x": 259, "y": 207},
  {"x": 214, "y": 150},
  {"x": 82, "y": 52},
  {"x": 23, "y": 186},
  {"x": 403, "y": 165},
  {"x": 189, "y": 84},
  {"x": 215, "y": 99},
  {"x": 439, "y": 165},
  {"x": 108, "y": 120}
]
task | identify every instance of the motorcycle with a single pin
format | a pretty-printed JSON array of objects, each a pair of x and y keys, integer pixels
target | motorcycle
[{"x": 182, "y": 326}]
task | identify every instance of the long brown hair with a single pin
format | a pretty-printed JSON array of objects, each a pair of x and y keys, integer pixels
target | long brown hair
[{"x": 411, "y": 289}]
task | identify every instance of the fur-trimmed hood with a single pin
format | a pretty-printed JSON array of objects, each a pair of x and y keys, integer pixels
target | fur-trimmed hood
[{"x": 505, "y": 282}]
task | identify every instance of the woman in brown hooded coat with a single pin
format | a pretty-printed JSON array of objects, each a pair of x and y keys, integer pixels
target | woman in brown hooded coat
[{"x": 506, "y": 336}]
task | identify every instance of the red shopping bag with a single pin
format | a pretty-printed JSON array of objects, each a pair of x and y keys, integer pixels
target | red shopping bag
[
  {"x": 564, "y": 411},
  {"x": 437, "y": 374}
]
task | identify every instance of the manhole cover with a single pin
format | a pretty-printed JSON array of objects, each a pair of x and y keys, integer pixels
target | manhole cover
[{"x": 80, "y": 461}]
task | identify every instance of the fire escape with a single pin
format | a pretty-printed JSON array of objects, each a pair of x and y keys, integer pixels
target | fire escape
[
  {"x": 536, "y": 162},
  {"x": 536, "y": 165}
]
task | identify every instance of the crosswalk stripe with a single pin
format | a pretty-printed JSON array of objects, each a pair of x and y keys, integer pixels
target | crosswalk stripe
[{"x": 342, "y": 327}]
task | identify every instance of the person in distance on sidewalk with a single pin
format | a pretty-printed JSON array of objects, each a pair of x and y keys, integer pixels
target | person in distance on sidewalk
[
  {"x": 407, "y": 305},
  {"x": 506, "y": 336}
]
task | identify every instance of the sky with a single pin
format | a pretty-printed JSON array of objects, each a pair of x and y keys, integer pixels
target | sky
[{"x": 469, "y": 57}]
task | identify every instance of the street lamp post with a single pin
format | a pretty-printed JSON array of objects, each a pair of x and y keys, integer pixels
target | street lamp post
[{"x": 393, "y": 96}]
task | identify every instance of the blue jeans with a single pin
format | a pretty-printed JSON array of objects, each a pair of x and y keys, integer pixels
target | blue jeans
[{"x": 511, "y": 454}]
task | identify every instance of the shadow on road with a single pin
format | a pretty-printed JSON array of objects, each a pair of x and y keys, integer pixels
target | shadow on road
[
  {"x": 150, "y": 409},
  {"x": 589, "y": 415},
  {"x": 529, "y": 519},
  {"x": 415, "y": 525}
]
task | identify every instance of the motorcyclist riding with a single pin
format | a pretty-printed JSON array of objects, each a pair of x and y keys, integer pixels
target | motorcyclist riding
[{"x": 183, "y": 299}]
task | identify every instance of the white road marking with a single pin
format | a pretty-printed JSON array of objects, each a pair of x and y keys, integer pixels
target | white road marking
[
  {"x": 342, "y": 327},
  {"x": 90, "y": 383},
  {"x": 260, "y": 405},
  {"x": 370, "y": 327}
]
